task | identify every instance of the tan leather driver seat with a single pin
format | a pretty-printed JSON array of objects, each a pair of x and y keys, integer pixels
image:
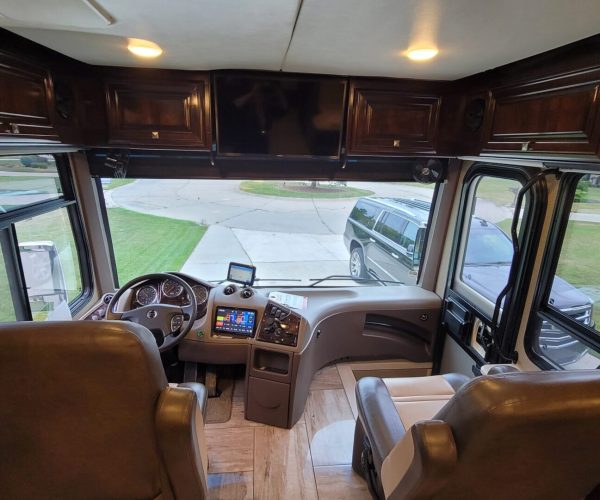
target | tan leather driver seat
[
  {"x": 514, "y": 435},
  {"x": 86, "y": 412}
]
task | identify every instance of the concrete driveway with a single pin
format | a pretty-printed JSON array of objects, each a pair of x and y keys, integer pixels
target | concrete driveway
[{"x": 293, "y": 238}]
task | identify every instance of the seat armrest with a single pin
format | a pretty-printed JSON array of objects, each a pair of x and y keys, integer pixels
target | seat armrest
[
  {"x": 421, "y": 463},
  {"x": 180, "y": 430},
  {"x": 201, "y": 394},
  {"x": 379, "y": 417}
]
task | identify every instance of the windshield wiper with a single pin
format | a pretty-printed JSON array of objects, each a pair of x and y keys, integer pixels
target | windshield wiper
[{"x": 334, "y": 277}]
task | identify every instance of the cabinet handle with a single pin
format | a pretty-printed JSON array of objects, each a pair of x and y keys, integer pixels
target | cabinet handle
[
  {"x": 155, "y": 135},
  {"x": 526, "y": 146},
  {"x": 396, "y": 143},
  {"x": 14, "y": 128}
]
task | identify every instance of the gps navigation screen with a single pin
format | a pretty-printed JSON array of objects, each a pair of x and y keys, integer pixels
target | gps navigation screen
[
  {"x": 241, "y": 273},
  {"x": 235, "y": 321}
]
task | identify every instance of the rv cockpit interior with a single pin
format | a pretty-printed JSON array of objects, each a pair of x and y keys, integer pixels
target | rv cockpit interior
[{"x": 298, "y": 249}]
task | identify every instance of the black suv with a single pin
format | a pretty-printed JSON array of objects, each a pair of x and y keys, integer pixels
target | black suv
[{"x": 385, "y": 236}]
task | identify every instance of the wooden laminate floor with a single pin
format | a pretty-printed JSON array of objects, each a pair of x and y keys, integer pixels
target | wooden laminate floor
[{"x": 312, "y": 460}]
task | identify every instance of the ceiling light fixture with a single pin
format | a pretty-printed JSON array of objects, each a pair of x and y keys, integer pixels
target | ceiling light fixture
[
  {"x": 421, "y": 54},
  {"x": 143, "y": 48}
]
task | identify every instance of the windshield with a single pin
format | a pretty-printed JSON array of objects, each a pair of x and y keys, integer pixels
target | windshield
[
  {"x": 294, "y": 232},
  {"x": 487, "y": 245}
]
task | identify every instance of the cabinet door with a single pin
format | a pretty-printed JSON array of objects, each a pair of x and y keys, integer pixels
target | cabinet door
[
  {"x": 25, "y": 101},
  {"x": 160, "y": 113},
  {"x": 392, "y": 122},
  {"x": 557, "y": 115}
]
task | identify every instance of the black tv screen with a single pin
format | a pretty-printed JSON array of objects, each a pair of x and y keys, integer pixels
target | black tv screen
[{"x": 278, "y": 115}]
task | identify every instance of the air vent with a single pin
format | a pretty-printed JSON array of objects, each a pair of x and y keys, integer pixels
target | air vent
[
  {"x": 229, "y": 290},
  {"x": 107, "y": 298},
  {"x": 247, "y": 293}
]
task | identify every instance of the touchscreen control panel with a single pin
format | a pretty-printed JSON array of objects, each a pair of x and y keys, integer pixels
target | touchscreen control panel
[
  {"x": 279, "y": 325},
  {"x": 234, "y": 321}
]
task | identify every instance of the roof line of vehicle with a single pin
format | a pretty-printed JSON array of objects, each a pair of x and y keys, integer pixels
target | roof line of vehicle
[{"x": 417, "y": 215}]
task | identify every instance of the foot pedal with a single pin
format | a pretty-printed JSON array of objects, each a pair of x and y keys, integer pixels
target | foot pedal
[
  {"x": 210, "y": 380},
  {"x": 190, "y": 371}
]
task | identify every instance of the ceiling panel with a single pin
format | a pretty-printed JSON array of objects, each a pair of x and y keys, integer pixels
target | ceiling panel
[
  {"x": 348, "y": 37},
  {"x": 194, "y": 34},
  {"x": 359, "y": 37}
]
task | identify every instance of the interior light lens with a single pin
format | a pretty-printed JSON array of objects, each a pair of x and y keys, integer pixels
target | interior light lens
[
  {"x": 144, "y": 48},
  {"x": 421, "y": 54}
]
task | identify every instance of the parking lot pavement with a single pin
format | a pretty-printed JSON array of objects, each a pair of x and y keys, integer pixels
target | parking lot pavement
[{"x": 276, "y": 255}]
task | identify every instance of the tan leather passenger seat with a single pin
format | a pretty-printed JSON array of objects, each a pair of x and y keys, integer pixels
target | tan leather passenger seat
[
  {"x": 514, "y": 435},
  {"x": 87, "y": 413},
  {"x": 418, "y": 398}
]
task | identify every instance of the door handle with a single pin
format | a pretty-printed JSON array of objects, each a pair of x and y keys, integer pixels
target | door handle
[
  {"x": 371, "y": 240},
  {"x": 395, "y": 255}
]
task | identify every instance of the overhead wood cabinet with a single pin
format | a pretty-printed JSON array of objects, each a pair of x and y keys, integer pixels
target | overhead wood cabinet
[
  {"x": 551, "y": 115},
  {"x": 392, "y": 120},
  {"x": 26, "y": 107},
  {"x": 149, "y": 112}
]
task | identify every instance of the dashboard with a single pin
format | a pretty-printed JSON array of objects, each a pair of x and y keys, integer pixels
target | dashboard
[
  {"x": 284, "y": 337},
  {"x": 225, "y": 313}
]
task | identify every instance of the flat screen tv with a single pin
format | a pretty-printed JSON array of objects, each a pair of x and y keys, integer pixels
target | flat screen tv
[{"x": 279, "y": 115}]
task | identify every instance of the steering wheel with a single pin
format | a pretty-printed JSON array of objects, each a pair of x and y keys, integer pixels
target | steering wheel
[{"x": 168, "y": 323}]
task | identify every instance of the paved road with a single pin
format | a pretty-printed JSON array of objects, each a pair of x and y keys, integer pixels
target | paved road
[{"x": 284, "y": 237}]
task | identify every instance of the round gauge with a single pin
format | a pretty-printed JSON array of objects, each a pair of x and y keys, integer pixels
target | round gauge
[
  {"x": 171, "y": 289},
  {"x": 201, "y": 294},
  {"x": 146, "y": 295}
]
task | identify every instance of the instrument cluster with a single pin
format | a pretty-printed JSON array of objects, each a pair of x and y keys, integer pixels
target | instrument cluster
[{"x": 170, "y": 292}]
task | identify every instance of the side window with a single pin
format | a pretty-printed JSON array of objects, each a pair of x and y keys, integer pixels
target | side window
[
  {"x": 392, "y": 228},
  {"x": 409, "y": 236},
  {"x": 570, "y": 312},
  {"x": 486, "y": 250},
  {"x": 365, "y": 213},
  {"x": 50, "y": 262},
  {"x": 42, "y": 276},
  {"x": 7, "y": 310}
]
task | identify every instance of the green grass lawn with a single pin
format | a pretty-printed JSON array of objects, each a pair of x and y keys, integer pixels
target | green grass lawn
[
  {"x": 298, "y": 190},
  {"x": 115, "y": 183},
  {"x": 578, "y": 262},
  {"x": 498, "y": 190},
  {"x": 147, "y": 243}
]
